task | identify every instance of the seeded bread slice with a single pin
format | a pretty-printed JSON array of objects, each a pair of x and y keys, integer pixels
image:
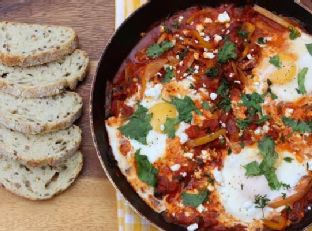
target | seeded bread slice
[
  {"x": 24, "y": 45},
  {"x": 39, "y": 115},
  {"x": 39, "y": 183},
  {"x": 39, "y": 150},
  {"x": 44, "y": 80}
]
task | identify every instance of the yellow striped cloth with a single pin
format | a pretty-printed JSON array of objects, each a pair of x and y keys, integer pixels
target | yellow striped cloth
[{"x": 128, "y": 219}]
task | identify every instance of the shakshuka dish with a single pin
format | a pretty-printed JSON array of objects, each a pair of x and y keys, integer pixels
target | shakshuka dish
[{"x": 211, "y": 119}]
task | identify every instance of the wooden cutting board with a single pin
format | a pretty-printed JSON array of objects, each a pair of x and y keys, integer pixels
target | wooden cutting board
[{"x": 90, "y": 204}]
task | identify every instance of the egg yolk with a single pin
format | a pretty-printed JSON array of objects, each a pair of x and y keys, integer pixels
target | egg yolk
[
  {"x": 161, "y": 112},
  {"x": 287, "y": 71}
]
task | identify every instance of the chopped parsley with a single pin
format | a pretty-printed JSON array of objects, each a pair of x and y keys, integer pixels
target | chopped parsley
[
  {"x": 242, "y": 33},
  {"x": 224, "y": 91},
  {"x": 297, "y": 126},
  {"x": 294, "y": 33},
  {"x": 301, "y": 78},
  {"x": 212, "y": 72},
  {"x": 229, "y": 152},
  {"x": 288, "y": 159},
  {"x": 194, "y": 200},
  {"x": 138, "y": 125},
  {"x": 156, "y": 50},
  {"x": 267, "y": 150},
  {"x": 309, "y": 48},
  {"x": 252, "y": 102},
  {"x": 170, "y": 127},
  {"x": 284, "y": 196},
  {"x": 185, "y": 107},
  {"x": 242, "y": 124},
  {"x": 227, "y": 52},
  {"x": 261, "y": 40},
  {"x": 276, "y": 61},
  {"x": 206, "y": 105},
  {"x": 269, "y": 91},
  {"x": 145, "y": 170},
  {"x": 261, "y": 201},
  {"x": 168, "y": 75}
]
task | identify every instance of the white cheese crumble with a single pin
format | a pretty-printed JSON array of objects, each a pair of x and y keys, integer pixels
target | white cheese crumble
[
  {"x": 288, "y": 112},
  {"x": 208, "y": 55},
  {"x": 162, "y": 127},
  {"x": 208, "y": 20},
  {"x": 199, "y": 27},
  {"x": 184, "y": 174},
  {"x": 249, "y": 56},
  {"x": 188, "y": 155},
  {"x": 200, "y": 208},
  {"x": 154, "y": 91},
  {"x": 217, "y": 38},
  {"x": 224, "y": 17},
  {"x": 206, "y": 38},
  {"x": 181, "y": 19},
  {"x": 175, "y": 167},
  {"x": 213, "y": 96},
  {"x": 192, "y": 227},
  {"x": 196, "y": 41},
  {"x": 181, "y": 132}
]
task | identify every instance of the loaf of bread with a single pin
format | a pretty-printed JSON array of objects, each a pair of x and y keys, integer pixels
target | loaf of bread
[
  {"x": 24, "y": 45},
  {"x": 44, "y": 80},
  {"x": 39, "y": 183},
  {"x": 39, "y": 115}
]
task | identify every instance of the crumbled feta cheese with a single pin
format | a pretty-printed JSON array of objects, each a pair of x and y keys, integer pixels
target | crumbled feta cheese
[
  {"x": 205, "y": 49},
  {"x": 154, "y": 91},
  {"x": 217, "y": 38},
  {"x": 224, "y": 17},
  {"x": 181, "y": 63},
  {"x": 196, "y": 67},
  {"x": 258, "y": 131},
  {"x": 181, "y": 132},
  {"x": 192, "y": 227},
  {"x": 181, "y": 38},
  {"x": 177, "y": 57},
  {"x": 162, "y": 127},
  {"x": 213, "y": 96},
  {"x": 206, "y": 38},
  {"x": 173, "y": 41},
  {"x": 196, "y": 41},
  {"x": 208, "y": 55},
  {"x": 199, "y": 27},
  {"x": 237, "y": 81},
  {"x": 215, "y": 51},
  {"x": 188, "y": 155},
  {"x": 202, "y": 34},
  {"x": 131, "y": 101},
  {"x": 175, "y": 167},
  {"x": 208, "y": 20},
  {"x": 223, "y": 125},
  {"x": 162, "y": 28},
  {"x": 190, "y": 78},
  {"x": 181, "y": 19},
  {"x": 231, "y": 75},
  {"x": 249, "y": 56},
  {"x": 266, "y": 128},
  {"x": 210, "y": 187},
  {"x": 184, "y": 174},
  {"x": 288, "y": 112},
  {"x": 200, "y": 208}
]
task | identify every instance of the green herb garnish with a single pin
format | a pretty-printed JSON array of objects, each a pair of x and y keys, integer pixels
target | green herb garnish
[
  {"x": 157, "y": 50},
  {"x": 170, "y": 127},
  {"x": 194, "y": 200},
  {"x": 276, "y": 61},
  {"x": 145, "y": 170},
  {"x": 227, "y": 52},
  {"x": 294, "y": 33},
  {"x": 301, "y": 80}
]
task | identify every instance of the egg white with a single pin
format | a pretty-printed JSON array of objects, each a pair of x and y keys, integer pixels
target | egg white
[{"x": 237, "y": 192}]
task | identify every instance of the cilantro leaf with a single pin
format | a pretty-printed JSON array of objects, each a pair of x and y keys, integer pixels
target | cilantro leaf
[
  {"x": 138, "y": 125},
  {"x": 309, "y": 48},
  {"x": 194, "y": 200},
  {"x": 253, "y": 169},
  {"x": 297, "y": 126},
  {"x": 252, "y": 102},
  {"x": 224, "y": 91},
  {"x": 212, "y": 72},
  {"x": 168, "y": 75},
  {"x": 276, "y": 61},
  {"x": 206, "y": 105},
  {"x": 170, "y": 126},
  {"x": 185, "y": 107},
  {"x": 242, "y": 124},
  {"x": 227, "y": 52},
  {"x": 261, "y": 201},
  {"x": 156, "y": 50},
  {"x": 242, "y": 33},
  {"x": 288, "y": 159},
  {"x": 145, "y": 170},
  {"x": 301, "y": 80},
  {"x": 294, "y": 33},
  {"x": 267, "y": 150},
  {"x": 261, "y": 40}
]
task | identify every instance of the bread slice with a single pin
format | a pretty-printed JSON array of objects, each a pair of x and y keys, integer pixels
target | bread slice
[
  {"x": 25, "y": 45},
  {"x": 39, "y": 150},
  {"x": 44, "y": 80},
  {"x": 39, "y": 115},
  {"x": 39, "y": 183}
]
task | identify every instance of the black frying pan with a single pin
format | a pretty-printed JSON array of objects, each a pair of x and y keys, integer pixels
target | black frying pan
[{"x": 118, "y": 48}]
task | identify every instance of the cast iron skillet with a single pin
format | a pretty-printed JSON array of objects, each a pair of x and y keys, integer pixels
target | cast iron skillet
[{"x": 118, "y": 48}]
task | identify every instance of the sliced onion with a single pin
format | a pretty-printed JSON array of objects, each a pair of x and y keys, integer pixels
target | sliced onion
[
  {"x": 302, "y": 188},
  {"x": 206, "y": 139},
  {"x": 150, "y": 70}
]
